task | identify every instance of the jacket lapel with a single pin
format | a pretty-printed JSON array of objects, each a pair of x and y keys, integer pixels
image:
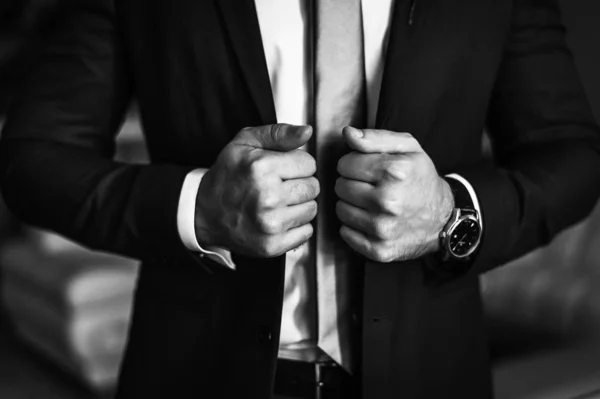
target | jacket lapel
[
  {"x": 242, "y": 25},
  {"x": 405, "y": 99},
  {"x": 260, "y": 281}
]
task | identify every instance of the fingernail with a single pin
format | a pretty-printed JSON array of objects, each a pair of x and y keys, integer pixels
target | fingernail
[
  {"x": 300, "y": 130},
  {"x": 356, "y": 133}
]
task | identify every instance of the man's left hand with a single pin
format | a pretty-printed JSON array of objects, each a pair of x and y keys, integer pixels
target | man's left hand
[{"x": 392, "y": 202}]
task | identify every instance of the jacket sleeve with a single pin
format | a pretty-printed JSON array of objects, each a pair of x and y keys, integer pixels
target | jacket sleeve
[
  {"x": 546, "y": 144},
  {"x": 56, "y": 166}
]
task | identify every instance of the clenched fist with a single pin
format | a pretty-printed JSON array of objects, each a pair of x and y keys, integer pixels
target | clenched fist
[
  {"x": 258, "y": 199},
  {"x": 392, "y": 202}
]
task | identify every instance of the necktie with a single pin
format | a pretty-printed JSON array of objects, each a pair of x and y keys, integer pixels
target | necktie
[{"x": 339, "y": 101}]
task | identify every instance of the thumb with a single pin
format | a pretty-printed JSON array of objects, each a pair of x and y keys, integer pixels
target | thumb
[
  {"x": 370, "y": 141},
  {"x": 277, "y": 137}
]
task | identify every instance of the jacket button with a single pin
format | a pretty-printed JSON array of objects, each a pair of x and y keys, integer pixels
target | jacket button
[{"x": 265, "y": 334}]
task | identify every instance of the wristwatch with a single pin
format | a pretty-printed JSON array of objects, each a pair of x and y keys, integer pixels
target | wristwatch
[{"x": 461, "y": 236}]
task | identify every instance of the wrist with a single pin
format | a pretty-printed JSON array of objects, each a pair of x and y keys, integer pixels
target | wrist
[
  {"x": 192, "y": 213},
  {"x": 445, "y": 208},
  {"x": 192, "y": 220},
  {"x": 205, "y": 234},
  {"x": 201, "y": 230},
  {"x": 448, "y": 204}
]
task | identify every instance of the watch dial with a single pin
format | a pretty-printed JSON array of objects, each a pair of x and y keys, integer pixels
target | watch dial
[{"x": 464, "y": 237}]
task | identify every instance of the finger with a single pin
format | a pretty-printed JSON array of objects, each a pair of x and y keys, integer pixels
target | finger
[
  {"x": 360, "y": 220},
  {"x": 283, "y": 219},
  {"x": 299, "y": 215},
  {"x": 357, "y": 241},
  {"x": 294, "y": 164},
  {"x": 291, "y": 239},
  {"x": 355, "y": 192},
  {"x": 298, "y": 191},
  {"x": 374, "y": 250},
  {"x": 380, "y": 141},
  {"x": 359, "y": 166},
  {"x": 277, "y": 137}
]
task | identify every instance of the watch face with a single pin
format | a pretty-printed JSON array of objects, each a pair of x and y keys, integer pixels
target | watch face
[{"x": 464, "y": 237}]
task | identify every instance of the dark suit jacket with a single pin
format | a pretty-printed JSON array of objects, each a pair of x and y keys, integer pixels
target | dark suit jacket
[{"x": 198, "y": 72}]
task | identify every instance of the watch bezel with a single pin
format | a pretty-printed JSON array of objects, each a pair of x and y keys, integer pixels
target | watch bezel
[{"x": 460, "y": 218}]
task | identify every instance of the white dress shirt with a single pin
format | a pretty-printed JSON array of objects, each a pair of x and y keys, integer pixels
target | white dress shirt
[{"x": 284, "y": 27}]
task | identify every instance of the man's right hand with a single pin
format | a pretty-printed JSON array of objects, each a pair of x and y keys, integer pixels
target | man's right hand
[{"x": 258, "y": 199}]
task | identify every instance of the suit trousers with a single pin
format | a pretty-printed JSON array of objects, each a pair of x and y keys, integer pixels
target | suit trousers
[{"x": 325, "y": 380}]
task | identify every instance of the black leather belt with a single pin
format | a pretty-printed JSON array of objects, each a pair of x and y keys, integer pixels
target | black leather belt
[{"x": 324, "y": 380}]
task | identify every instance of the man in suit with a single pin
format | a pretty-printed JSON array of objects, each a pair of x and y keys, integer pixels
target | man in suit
[{"x": 384, "y": 205}]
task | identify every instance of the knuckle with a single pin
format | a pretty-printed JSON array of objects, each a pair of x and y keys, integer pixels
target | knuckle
[
  {"x": 396, "y": 169},
  {"x": 394, "y": 174},
  {"x": 403, "y": 254},
  {"x": 303, "y": 161},
  {"x": 378, "y": 230},
  {"x": 275, "y": 131},
  {"x": 268, "y": 224},
  {"x": 261, "y": 249},
  {"x": 383, "y": 228},
  {"x": 230, "y": 152},
  {"x": 259, "y": 166},
  {"x": 409, "y": 138},
  {"x": 308, "y": 234},
  {"x": 313, "y": 209},
  {"x": 267, "y": 199},
  {"x": 246, "y": 136},
  {"x": 386, "y": 204},
  {"x": 243, "y": 135},
  {"x": 309, "y": 190},
  {"x": 267, "y": 248},
  {"x": 383, "y": 255},
  {"x": 379, "y": 257},
  {"x": 414, "y": 140},
  {"x": 247, "y": 130}
]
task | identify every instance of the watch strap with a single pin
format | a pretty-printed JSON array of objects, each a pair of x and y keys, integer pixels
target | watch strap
[{"x": 462, "y": 197}]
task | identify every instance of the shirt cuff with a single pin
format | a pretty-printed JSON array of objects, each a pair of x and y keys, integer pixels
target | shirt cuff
[
  {"x": 472, "y": 193},
  {"x": 186, "y": 212}
]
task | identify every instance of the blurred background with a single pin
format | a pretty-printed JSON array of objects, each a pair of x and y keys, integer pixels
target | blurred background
[{"x": 64, "y": 310}]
